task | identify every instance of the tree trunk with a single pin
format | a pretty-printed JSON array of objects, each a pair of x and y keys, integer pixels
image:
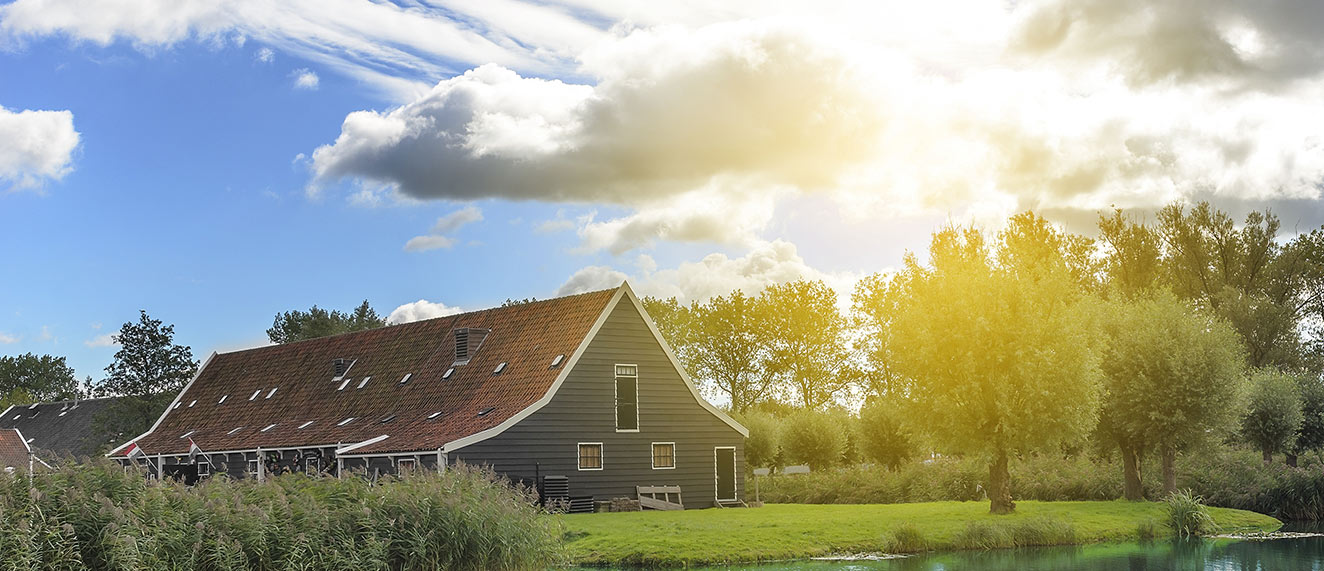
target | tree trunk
[
  {"x": 1268, "y": 458},
  {"x": 1291, "y": 459},
  {"x": 1169, "y": 455},
  {"x": 999, "y": 485},
  {"x": 1133, "y": 491}
]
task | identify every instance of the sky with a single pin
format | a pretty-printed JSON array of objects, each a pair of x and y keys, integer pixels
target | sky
[{"x": 214, "y": 163}]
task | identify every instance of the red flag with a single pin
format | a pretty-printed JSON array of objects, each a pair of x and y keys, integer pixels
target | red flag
[{"x": 134, "y": 451}]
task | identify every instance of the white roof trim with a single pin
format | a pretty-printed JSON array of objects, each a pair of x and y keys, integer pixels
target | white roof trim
[
  {"x": 370, "y": 441},
  {"x": 569, "y": 365},
  {"x": 23, "y": 440},
  {"x": 560, "y": 378},
  {"x": 168, "y": 409},
  {"x": 684, "y": 375}
]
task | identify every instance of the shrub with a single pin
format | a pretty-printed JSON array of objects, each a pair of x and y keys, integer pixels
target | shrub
[
  {"x": 96, "y": 516},
  {"x": 763, "y": 442},
  {"x": 1043, "y": 531},
  {"x": 1147, "y": 530},
  {"x": 1187, "y": 515},
  {"x": 905, "y": 538},
  {"x": 983, "y": 535},
  {"x": 881, "y": 437},
  {"x": 813, "y": 438}
]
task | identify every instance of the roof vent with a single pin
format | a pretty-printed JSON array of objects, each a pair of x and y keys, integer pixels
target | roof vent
[
  {"x": 387, "y": 419},
  {"x": 557, "y": 361},
  {"x": 486, "y": 410},
  {"x": 467, "y": 342},
  {"x": 339, "y": 366}
]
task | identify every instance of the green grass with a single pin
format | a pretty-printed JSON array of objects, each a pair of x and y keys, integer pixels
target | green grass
[{"x": 795, "y": 531}]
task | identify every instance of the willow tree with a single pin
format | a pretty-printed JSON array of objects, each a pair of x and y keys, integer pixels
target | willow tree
[
  {"x": 994, "y": 342},
  {"x": 1172, "y": 379}
]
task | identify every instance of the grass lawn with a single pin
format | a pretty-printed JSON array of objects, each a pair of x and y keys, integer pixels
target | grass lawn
[{"x": 792, "y": 531}]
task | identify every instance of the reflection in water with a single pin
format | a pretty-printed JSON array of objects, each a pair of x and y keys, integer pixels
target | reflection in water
[{"x": 1221, "y": 555}]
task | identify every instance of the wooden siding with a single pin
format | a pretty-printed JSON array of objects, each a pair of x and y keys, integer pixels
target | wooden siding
[{"x": 583, "y": 410}]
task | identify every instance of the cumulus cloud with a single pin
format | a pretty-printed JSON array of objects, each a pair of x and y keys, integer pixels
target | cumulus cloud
[
  {"x": 6, "y": 338},
  {"x": 420, "y": 310},
  {"x": 103, "y": 340},
  {"x": 447, "y": 224},
  {"x": 765, "y": 264},
  {"x": 704, "y": 215},
  {"x": 35, "y": 147},
  {"x": 265, "y": 55},
  {"x": 742, "y": 101},
  {"x": 305, "y": 78}
]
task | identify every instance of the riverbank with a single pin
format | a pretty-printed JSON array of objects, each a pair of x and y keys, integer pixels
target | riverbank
[{"x": 796, "y": 531}]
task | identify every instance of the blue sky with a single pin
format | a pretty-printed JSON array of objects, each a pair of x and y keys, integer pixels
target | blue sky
[{"x": 216, "y": 163}]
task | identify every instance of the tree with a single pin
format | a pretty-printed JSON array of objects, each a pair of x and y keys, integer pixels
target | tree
[
  {"x": 731, "y": 340},
  {"x": 292, "y": 326},
  {"x": 1311, "y": 434},
  {"x": 1133, "y": 263},
  {"x": 1274, "y": 416},
  {"x": 763, "y": 444},
  {"x": 814, "y": 438},
  {"x": 148, "y": 371},
  {"x": 996, "y": 346},
  {"x": 1172, "y": 379},
  {"x": 30, "y": 378},
  {"x": 873, "y": 304},
  {"x": 883, "y": 439},
  {"x": 808, "y": 350}
]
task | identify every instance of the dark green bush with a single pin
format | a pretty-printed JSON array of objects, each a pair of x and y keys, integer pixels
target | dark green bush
[{"x": 96, "y": 516}]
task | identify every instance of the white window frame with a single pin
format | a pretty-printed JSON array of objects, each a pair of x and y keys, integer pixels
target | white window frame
[
  {"x": 413, "y": 464},
  {"x": 579, "y": 460},
  {"x": 315, "y": 462},
  {"x": 652, "y": 451},
  {"x": 252, "y": 467},
  {"x": 204, "y": 468},
  {"x": 615, "y": 380}
]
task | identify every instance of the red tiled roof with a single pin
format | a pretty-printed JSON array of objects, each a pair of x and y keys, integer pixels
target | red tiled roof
[
  {"x": 13, "y": 450},
  {"x": 526, "y": 336}
]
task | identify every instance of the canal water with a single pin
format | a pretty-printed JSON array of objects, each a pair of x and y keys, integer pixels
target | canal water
[{"x": 1216, "y": 554}]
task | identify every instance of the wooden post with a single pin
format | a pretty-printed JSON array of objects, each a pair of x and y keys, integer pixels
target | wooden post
[{"x": 260, "y": 464}]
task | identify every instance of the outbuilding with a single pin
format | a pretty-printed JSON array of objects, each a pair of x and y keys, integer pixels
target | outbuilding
[{"x": 578, "y": 395}]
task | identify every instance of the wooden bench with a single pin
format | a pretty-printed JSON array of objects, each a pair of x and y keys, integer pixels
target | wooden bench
[{"x": 648, "y": 497}]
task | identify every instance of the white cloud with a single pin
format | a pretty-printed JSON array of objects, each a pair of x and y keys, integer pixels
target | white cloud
[
  {"x": 265, "y": 55},
  {"x": 35, "y": 147},
  {"x": 103, "y": 340},
  {"x": 6, "y": 338},
  {"x": 765, "y": 264},
  {"x": 715, "y": 215},
  {"x": 732, "y": 102},
  {"x": 426, "y": 243},
  {"x": 420, "y": 310},
  {"x": 454, "y": 221},
  {"x": 305, "y": 78}
]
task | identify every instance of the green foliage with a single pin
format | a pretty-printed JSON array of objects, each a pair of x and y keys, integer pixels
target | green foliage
[
  {"x": 1147, "y": 530},
  {"x": 813, "y": 438},
  {"x": 882, "y": 437},
  {"x": 1311, "y": 434},
  {"x": 906, "y": 537},
  {"x": 1187, "y": 515},
  {"x": 295, "y": 325},
  {"x": 1274, "y": 416},
  {"x": 148, "y": 371},
  {"x": 30, "y": 378},
  {"x": 763, "y": 445},
  {"x": 997, "y": 345},
  {"x": 808, "y": 352},
  {"x": 99, "y": 517}
]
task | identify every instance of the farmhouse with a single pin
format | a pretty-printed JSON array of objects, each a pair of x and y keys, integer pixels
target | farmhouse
[
  {"x": 64, "y": 428},
  {"x": 579, "y": 392}
]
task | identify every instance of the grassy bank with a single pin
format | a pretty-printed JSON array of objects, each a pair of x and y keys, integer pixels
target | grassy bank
[{"x": 791, "y": 531}]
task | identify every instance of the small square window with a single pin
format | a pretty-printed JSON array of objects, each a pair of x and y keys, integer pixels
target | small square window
[
  {"x": 204, "y": 468},
  {"x": 664, "y": 455},
  {"x": 590, "y": 456},
  {"x": 405, "y": 464},
  {"x": 312, "y": 465},
  {"x": 252, "y": 467}
]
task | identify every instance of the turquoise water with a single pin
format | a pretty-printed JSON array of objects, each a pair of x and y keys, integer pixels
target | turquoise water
[{"x": 1221, "y": 555}]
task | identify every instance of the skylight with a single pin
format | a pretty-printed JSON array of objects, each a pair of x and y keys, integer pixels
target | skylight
[
  {"x": 237, "y": 429},
  {"x": 187, "y": 434},
  {"x": 18, "y": 416},
  {"x": 271, "y": 392},
  {"x": 344, "y": 384},
  {"x": 172, "y": 408},
  {"x": 269, "y": 427},
  {"x": 486, "y": 410},
  {"x": 195, "y": 401},
  {"x": 255, "y": 393},
  {"x": 222, "y": 399},
  {"x": 346, "y": 421},
  {"x": 64, "y": 412},
  {"x": 389, "y": 418},
  {"x": 406, "y": 379},
  {"x": 434, "y": 415},
  {"x": 557, "y": 361},
  {"x": 364, "y": 382},
  {"x": 305, "y": 425},
  {"x": 448, "y": 373},
  {"x": 34, "y": 405},
  {"x": 499, "y": 368}
]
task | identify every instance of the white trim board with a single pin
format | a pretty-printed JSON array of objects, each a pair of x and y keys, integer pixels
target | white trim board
[{"x": 169, "y": 408}]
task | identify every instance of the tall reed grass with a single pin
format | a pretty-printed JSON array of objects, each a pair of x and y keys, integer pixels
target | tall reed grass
[{"x": 96, "y": 516}]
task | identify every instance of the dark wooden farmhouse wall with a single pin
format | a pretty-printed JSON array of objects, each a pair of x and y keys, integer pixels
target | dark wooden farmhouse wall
[{"x": 583, "y": 410}]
